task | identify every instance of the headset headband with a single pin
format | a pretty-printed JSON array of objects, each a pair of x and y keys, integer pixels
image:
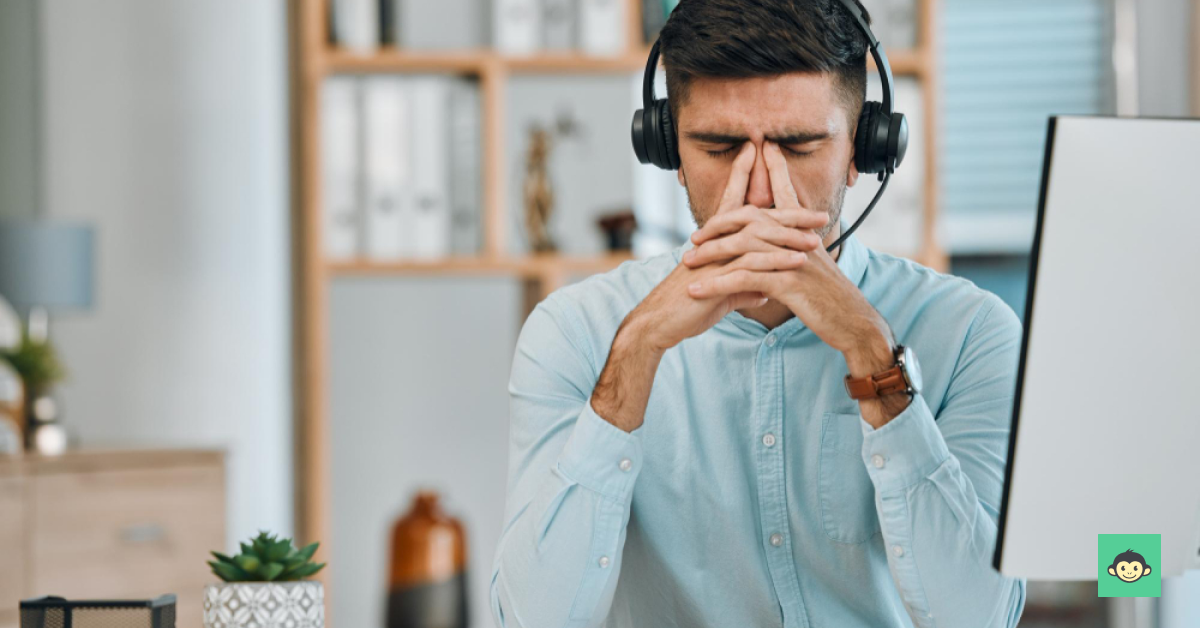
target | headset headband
[{"x": 881, "y": 62}]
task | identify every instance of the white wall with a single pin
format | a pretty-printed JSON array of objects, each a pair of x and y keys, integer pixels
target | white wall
[
  {"x": 1164, "y": 36},
  {"x": 165, "y": 125},
  {"x": 418, "y": 400},
  {"x": 1164, "y": 40},
  {"x": 1163, "y": 66},
  {"x": 18, "y": 109}
]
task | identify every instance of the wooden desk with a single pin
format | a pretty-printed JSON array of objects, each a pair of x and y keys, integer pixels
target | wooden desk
[{"x": 110, "y": 524}]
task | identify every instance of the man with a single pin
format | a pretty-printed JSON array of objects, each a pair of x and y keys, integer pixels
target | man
[{"x": 684, "y": 451}]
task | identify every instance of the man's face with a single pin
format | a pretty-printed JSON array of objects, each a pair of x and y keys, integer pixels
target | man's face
[{"x": 799, "y": 111}]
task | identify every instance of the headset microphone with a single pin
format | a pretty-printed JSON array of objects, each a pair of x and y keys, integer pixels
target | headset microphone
[{"x": 880, "y": 140}]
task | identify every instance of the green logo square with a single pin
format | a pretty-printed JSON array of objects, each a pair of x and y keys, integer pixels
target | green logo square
[{"x": 1129, "y": 565}]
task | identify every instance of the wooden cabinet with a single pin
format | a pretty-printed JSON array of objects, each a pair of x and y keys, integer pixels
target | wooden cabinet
[
  {"x": 12, "y": 543},
  {"x": 123, "y": 525}
]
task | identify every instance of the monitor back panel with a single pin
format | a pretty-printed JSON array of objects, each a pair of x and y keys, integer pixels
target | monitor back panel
[{"x": 1106, "y": 432}]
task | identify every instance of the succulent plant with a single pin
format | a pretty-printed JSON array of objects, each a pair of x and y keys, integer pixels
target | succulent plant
[
  {"x": 36, "y": 361},
  {"x": 266, "y": 558}
]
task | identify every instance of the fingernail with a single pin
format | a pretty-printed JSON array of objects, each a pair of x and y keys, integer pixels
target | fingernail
[{"x": 694, "y": 287}]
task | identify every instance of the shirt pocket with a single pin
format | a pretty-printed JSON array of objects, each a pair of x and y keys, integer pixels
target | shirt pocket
[{"x": 847, "y": 495}]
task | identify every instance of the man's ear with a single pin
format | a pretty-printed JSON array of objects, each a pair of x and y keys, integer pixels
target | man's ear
[
  {"x": 851, "y": 172},
  {"x": 1111, "y": 571},
  {"x": 679, "y": 174},
  {"x": 1147, "y": 572}
]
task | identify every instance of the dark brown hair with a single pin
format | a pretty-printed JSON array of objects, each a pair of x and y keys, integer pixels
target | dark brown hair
[{"x": 763, "y": 38}]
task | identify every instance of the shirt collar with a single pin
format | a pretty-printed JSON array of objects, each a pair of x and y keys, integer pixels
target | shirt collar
[{"x": 852, "y": 261}]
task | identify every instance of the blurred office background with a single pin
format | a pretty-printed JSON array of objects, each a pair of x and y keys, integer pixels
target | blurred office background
[{"x": 274, "y": 277}]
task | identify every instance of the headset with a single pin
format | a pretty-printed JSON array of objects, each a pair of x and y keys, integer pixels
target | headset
[{"x": 879, "y": 142}]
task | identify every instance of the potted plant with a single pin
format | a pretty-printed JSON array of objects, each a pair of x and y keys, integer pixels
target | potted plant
[
  {"x": 37, "y": 363},
  {"x": 265, "y": 587}
]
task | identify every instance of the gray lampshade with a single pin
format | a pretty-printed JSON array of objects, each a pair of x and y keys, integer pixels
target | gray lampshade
[{"x": 46, "y": 264}]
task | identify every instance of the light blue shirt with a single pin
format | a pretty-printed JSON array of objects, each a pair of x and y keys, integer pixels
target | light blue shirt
[{"x": 755, "y": 494}]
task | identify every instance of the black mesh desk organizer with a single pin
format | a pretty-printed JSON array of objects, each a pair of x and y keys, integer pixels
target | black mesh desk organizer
[{"x": 57, "y": 612}]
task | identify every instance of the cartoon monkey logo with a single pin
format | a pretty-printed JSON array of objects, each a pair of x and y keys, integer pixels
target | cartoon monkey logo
[{"x": 1129, "y": 566}]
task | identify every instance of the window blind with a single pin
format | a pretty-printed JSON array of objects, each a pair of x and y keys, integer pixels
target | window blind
[{"x": 1006, "y": 66}]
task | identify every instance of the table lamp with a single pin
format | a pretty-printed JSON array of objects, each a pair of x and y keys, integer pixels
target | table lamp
[{"x": 44, "y": 266}]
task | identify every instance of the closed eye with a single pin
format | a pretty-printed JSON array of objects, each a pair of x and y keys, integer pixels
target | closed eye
[
  {"x": 726, "y": 151},
  {"x": 721, "y": 153}
]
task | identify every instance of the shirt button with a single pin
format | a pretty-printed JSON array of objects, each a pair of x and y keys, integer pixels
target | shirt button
[
  {"x": 626, "y": 464},
  {"x": 768, "y": 439},
  {"x": 603, "y": 561},
  {"x": 771, "y": 340},
  {"x": 877, "y": 460},
  {"x": 777, "y": 539},
  {"x": 897, "y": 550}
]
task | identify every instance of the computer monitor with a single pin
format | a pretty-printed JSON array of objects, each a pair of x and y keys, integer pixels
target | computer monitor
[{"x": 1106, "y": 416}]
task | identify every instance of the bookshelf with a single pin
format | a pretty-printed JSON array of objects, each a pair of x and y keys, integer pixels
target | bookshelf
[{"x": 312, "y": 59}]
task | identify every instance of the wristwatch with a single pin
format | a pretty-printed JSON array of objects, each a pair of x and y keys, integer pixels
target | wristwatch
[{"x": 903, "y": 377}]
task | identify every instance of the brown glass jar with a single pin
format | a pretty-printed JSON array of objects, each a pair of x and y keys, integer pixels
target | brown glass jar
[{"x": 428, "y": 583}]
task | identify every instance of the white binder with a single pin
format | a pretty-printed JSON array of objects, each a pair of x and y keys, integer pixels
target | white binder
[
  {"x": 603, "y": 27},
  {"x": 355, "y": 24},
  {"x": 341, "y": 203},
  {"x": 387, "y": 169},
  {"x": 466, "y": 169},
  {"x": 558, "y": 24},
  {"x": 431, "y": 166},
  {"x": 517, "y": 25}
]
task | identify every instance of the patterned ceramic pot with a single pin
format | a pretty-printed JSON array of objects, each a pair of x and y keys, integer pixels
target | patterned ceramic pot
[{"x": 264, "y": 605}]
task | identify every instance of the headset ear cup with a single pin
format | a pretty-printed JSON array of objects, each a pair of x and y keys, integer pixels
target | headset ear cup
[
  {"x": 637, "y": 134},
  {"x": 650, "y": 134},
  {"x": 666, "y": 129},
  {"x": 863, "y": 157},
  {"x": 897, "y": 140}
]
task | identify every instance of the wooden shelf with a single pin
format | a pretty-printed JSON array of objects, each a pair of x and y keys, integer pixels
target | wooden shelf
[
  {"x": 480, "y": 61},
  {"x": 476, "y": 62},
  {"x": 465, "y": 62},
  {"x": 577, "y": 63},
  {"x": 530, "y": 266}
]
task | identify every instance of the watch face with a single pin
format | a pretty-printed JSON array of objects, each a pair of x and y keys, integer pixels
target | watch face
[{"x": 912, "y": 370}]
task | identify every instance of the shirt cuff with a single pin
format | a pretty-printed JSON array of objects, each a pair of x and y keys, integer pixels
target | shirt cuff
[
  {"x": 905, "y": 450},
  {"x": 602, "y": 456}
]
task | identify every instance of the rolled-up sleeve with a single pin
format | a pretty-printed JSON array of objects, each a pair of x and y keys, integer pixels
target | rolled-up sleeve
[
  {"x": 570, "y": 484},
  {"x": 938, "y": 485}
]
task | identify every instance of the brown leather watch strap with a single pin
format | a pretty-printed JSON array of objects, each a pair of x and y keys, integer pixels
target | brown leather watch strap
[{"x": 879, "y": 384}]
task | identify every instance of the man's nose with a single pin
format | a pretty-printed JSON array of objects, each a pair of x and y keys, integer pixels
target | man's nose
[{"x": 758, "y": 190}]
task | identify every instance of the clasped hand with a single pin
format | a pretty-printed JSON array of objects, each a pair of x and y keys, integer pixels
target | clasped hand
[
  {"x": 745, "y": 255},
  {"x": 777, "y": 253}
]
